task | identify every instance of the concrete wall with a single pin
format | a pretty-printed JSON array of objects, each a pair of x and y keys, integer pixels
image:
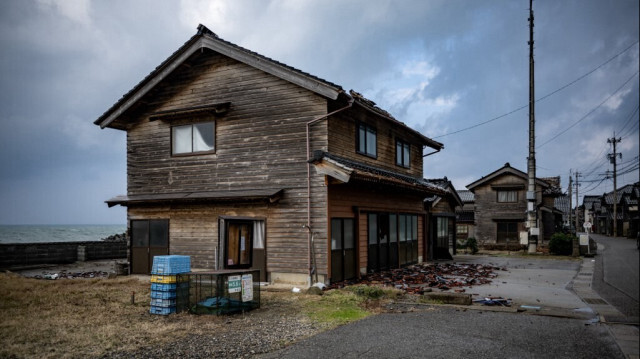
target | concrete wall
[{"x": 27, "y": 254}]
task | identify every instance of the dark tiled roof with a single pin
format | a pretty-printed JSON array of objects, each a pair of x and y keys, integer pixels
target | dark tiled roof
[
  {"x": 466, "y": 196},
  {"x": 366, "y": 169},
  {"x": 204, "y": 31}
]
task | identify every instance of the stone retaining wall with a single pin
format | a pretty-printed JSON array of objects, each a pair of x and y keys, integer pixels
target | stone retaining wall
[{"x": 28, "y": 254}]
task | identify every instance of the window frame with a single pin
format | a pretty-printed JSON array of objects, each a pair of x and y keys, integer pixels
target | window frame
[
  {"x": 403, "y": 148},
  {"x": 368, "y": 129},
  {"x": 192, "y": 125},
  {"x": 502, "y": 236},
  {"x": 507, "y": 192}
]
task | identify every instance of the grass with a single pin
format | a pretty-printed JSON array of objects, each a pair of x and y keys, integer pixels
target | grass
[
  {"x": 82, "y": 317},
  {"x": 338, "y": 307},
  {"x": 69, "y": 318}
]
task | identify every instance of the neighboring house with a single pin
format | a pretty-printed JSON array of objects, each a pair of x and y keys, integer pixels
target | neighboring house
[
  {"x": 240, "y": 162},
  {"x": 465, "y": 216},
  {"x": 561, "y": 203},
  {"x": 442, "y": 220},
  {"x": 501, "y": 205},
  {"x": 601, "y": 210}
]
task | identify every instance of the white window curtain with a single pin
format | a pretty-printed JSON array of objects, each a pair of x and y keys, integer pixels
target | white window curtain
[
  {"x": 507, "y": 196},
  {"x": 182, "y": 139},
  {"x": 258, "y": 234},
  {"x": 203, "y": 137}
]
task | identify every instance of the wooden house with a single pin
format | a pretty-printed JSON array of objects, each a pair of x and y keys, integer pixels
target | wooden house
[
  {"x": 501, "y": 205},
  {"x": 442, "y": 220},
  {"x": 240, "y": 161}
]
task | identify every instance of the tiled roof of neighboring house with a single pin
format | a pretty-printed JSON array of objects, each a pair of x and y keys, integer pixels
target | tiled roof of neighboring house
[
  {"x": 504, "y": 170},
  {"x": 588, "y": 201},
  {"x": 367, "y": 172},
  {"x": 466, "y": 196},
  {"x": 628, "y": 189},
  {"x": 446, "y": 185}
]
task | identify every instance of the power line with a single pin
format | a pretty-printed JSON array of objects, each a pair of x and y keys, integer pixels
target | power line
[
  {"x": 590, "y": 112},
  {"x": 543, "y": 97}
]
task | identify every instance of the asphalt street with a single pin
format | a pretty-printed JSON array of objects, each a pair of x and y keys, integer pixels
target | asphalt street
[
  {"x": 616, "y": 276},
  {"x": 445, "y": 332}
]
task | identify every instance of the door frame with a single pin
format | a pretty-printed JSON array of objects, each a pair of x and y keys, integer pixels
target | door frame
[{"x": 152, "y": 251}]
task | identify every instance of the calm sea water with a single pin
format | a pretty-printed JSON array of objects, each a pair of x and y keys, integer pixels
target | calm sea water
[{"x": 57, "y": 233}]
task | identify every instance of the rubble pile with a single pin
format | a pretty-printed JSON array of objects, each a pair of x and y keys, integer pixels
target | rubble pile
[{"x": 417, "y": 279}]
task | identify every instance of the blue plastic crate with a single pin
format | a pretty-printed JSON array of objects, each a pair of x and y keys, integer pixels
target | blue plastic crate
[
  {"x": 163, "y": 295},
  {"x": 162, "y": 310},
  {"x": 163, "y": 302},
  {"x": 164, "y": 287},
  {"x": 171, "y": 265}
]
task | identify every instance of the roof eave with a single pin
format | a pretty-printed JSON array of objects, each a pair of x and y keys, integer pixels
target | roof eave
[{"x": 206, "y": 39}]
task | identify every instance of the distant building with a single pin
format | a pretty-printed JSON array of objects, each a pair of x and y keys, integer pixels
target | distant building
[{"x": 500, "y": 209}]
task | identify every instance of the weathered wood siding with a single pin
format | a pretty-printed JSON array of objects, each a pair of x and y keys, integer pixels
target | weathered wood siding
[
  {"x": 260, "y": 143},
  {"x": 344, "y": 197},
  {"x": 342, "y": 141},
  {"x": 487, "y": 207}
]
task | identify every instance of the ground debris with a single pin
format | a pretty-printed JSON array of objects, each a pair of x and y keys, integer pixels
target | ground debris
[
  {"x": 72, "y": 275},
  {"x": 419, "y": 278}
]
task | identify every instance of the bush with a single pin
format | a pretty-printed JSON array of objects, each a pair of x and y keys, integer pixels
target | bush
[
  {"x": 472, "y": 244},
  {"x": 561, "y": 244}
]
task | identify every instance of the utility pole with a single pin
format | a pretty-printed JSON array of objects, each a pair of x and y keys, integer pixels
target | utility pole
[
  {"x": 578, "y": 201},
  {"x": 570, "y": 204},
  {"x": 613, "y": 158},
  {"x": 531, "y": 160}
]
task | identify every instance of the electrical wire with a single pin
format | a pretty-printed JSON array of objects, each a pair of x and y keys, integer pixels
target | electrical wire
[
  {"x": 590, "y": 112},
  {"x": 543, "y": 97}
]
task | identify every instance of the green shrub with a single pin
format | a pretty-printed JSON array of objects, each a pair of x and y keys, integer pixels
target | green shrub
[
  {"x": 472, "y": 244},
  {"x": 561, "y": 244}
]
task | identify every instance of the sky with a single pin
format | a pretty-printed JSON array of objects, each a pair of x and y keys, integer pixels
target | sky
[{"x": 455, "y": 70}]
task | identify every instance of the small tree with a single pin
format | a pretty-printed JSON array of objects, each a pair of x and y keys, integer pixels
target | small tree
[{"x": 561, "y": 244}]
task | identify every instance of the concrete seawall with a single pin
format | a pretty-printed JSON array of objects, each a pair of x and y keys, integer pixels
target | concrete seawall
[{"x": 14, "y": 255}]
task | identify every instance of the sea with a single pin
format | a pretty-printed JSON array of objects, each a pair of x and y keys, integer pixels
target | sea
[{"x": 58, "y": 233}]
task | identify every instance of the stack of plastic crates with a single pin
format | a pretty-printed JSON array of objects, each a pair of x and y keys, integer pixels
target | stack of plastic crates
[{"x": 167, "y": 290}]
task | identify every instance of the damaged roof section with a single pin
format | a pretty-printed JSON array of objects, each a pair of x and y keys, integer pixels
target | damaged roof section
[{"x": 346, "y": 170}]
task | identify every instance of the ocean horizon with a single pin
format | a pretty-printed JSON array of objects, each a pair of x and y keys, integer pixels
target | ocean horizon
[{"x": 42, "y": 233}]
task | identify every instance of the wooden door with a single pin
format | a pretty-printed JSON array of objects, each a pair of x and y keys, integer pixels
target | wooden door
[
  {"x": 149, "y": 238},
  {"x": 343, "y": 249}
]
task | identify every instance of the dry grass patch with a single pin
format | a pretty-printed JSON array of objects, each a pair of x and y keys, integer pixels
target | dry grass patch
[{"x": 72, "y": 318}]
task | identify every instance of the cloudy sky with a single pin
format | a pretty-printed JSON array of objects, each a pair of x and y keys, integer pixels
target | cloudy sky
[{"x": 456, "y": 70}]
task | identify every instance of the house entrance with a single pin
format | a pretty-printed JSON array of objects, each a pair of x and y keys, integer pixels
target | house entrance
[
  {"x": 393, "y": 240},
  {"x": 149, "y": 238},
  {"x": 343, "y": 249},
  {"x": 242, "y": 245}
]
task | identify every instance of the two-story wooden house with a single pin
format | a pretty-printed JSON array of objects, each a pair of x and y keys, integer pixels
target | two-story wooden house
[
  {"x": 241, "y": 161},
  {"x": 500, "y": 210}
]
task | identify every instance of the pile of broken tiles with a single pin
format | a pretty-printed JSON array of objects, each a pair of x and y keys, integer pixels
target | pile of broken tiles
[{"x": 420, "y": 278}]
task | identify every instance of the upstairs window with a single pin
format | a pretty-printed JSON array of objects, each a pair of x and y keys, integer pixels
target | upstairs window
[
  {"x": 193, "y": 138},
  {"x": 403, "y": 154},
  {"x": 507, "y": 196},
  {"x": 366, "y": 141}
]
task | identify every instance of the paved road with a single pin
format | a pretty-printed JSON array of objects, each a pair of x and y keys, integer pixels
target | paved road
[
  {"x": 445, "y": 332},
  {"x": 616, "y": 277}
]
